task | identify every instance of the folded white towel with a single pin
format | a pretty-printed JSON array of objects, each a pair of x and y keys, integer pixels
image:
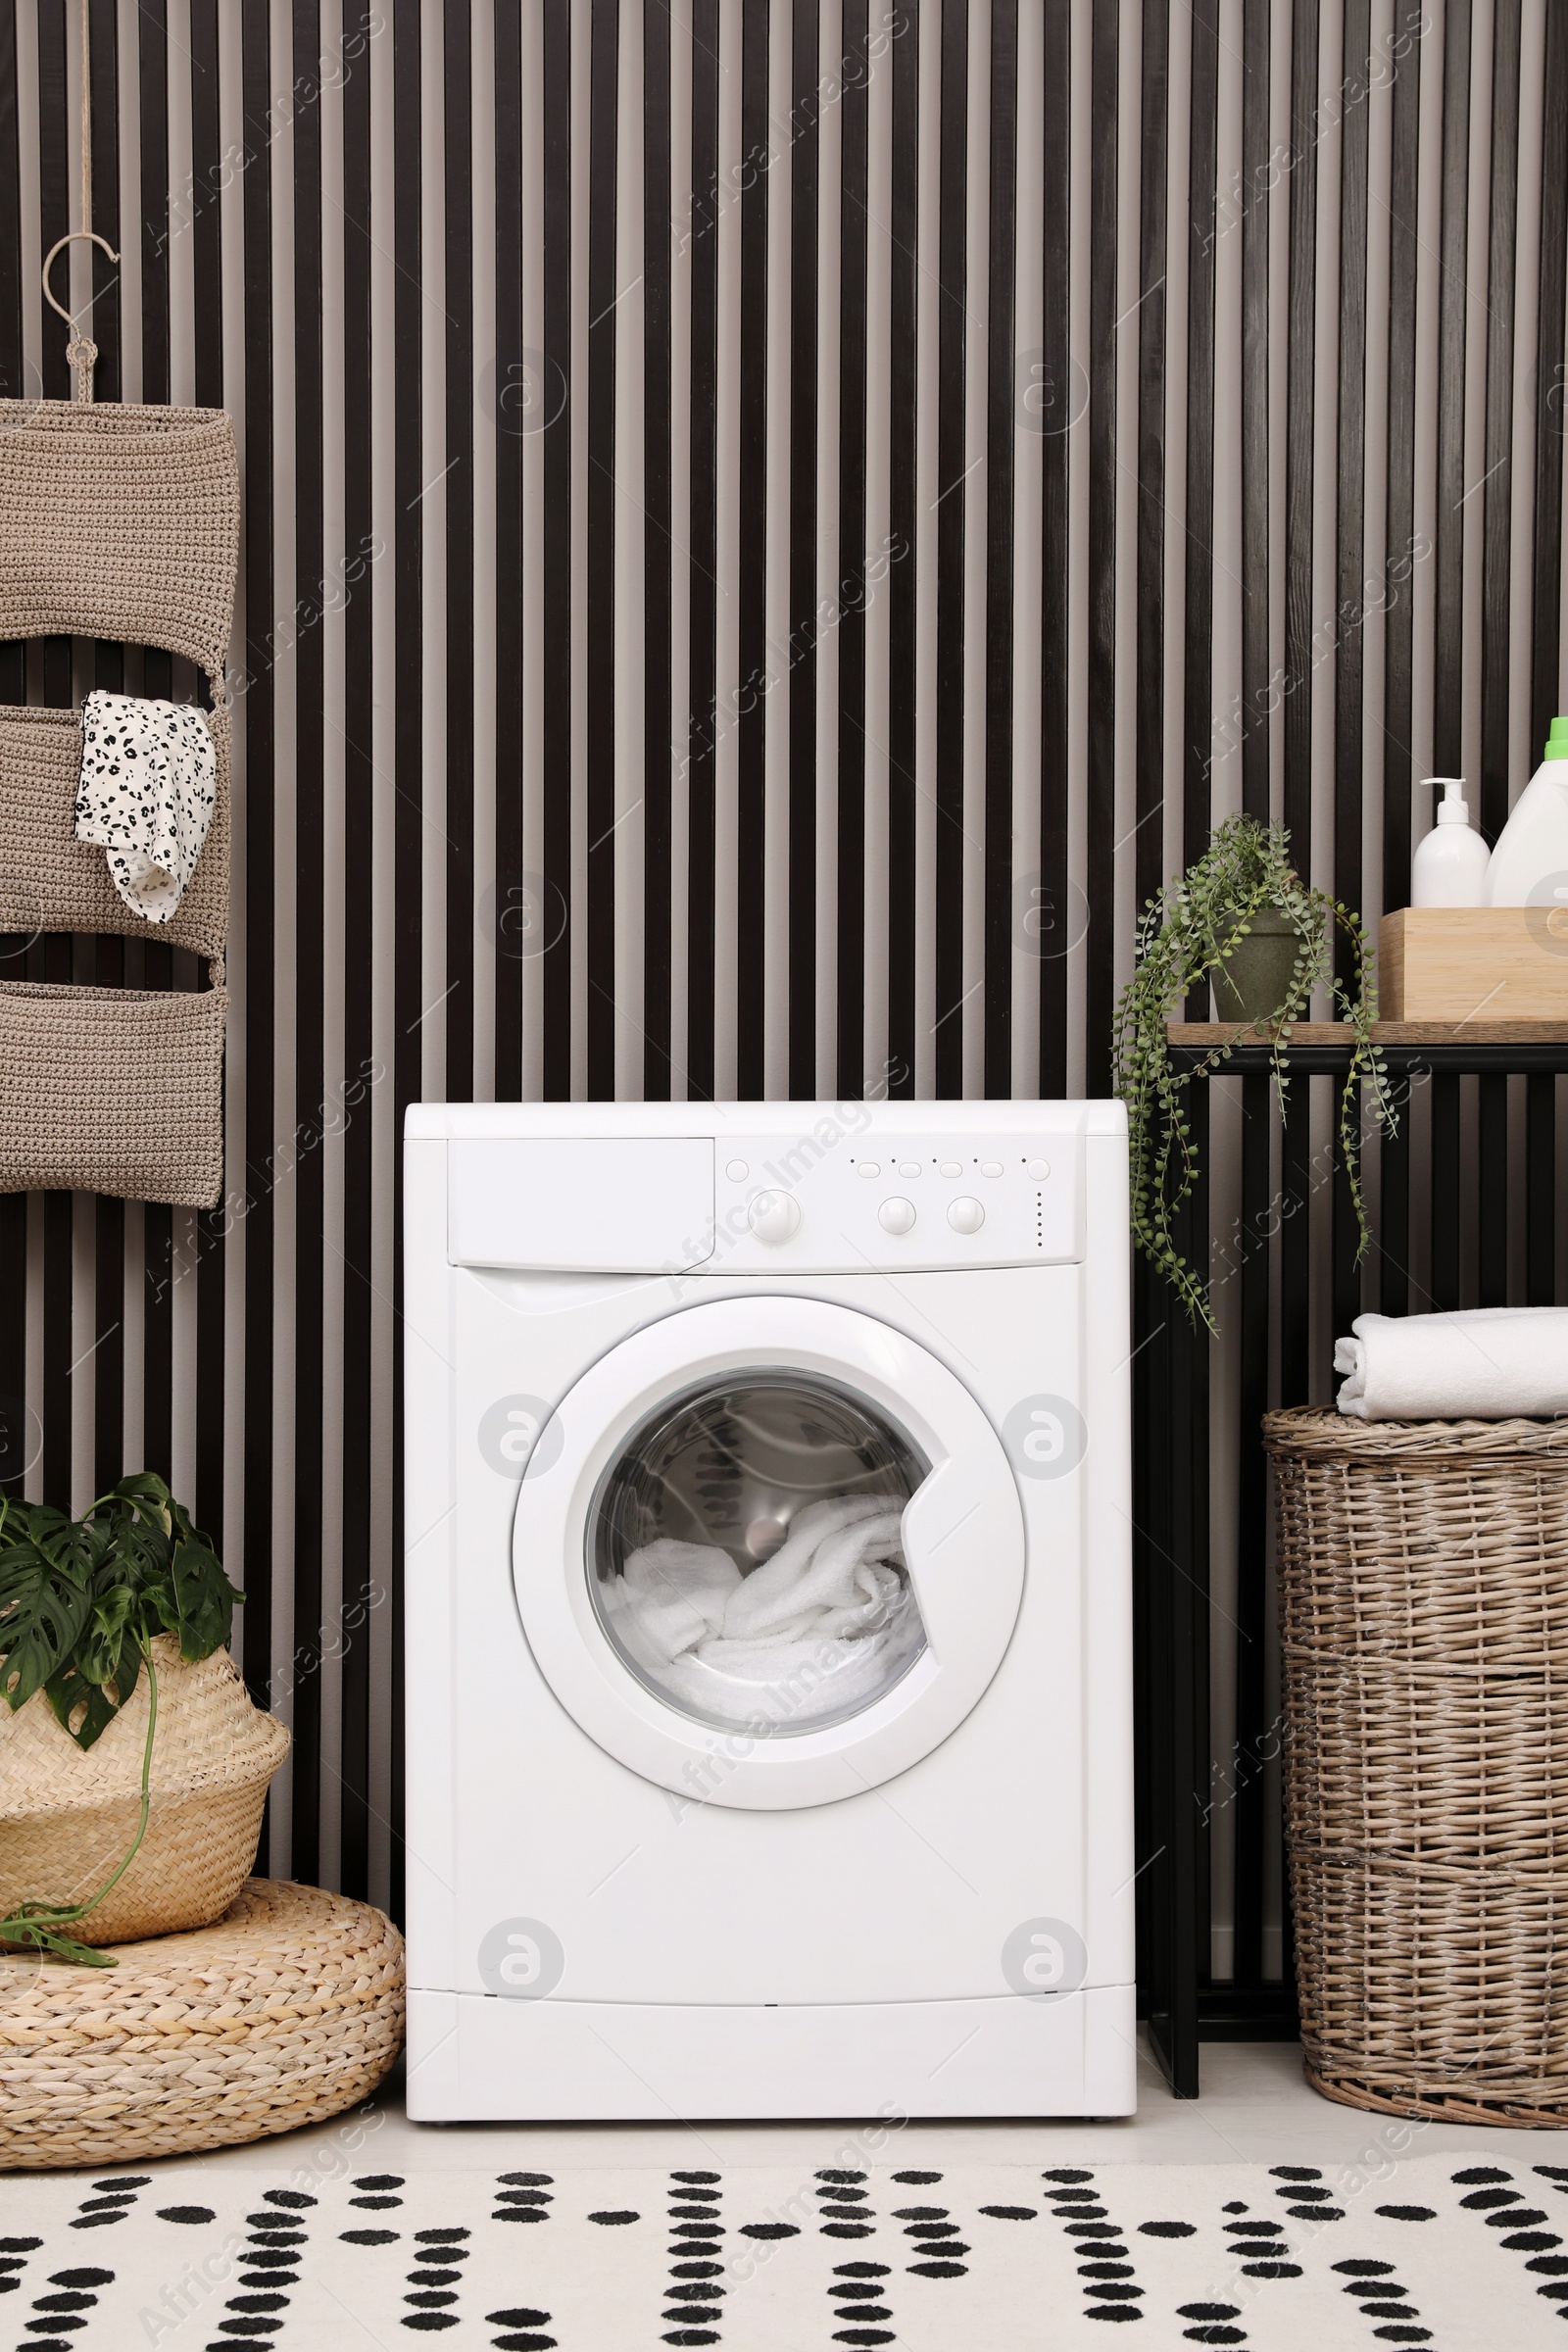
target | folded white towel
[
  {"x": 816, "y": 1630},
  {"x": 1482, "y": 1364},
  {"x": 149, "y": 778}
]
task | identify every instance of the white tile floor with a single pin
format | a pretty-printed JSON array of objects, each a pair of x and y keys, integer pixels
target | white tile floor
[{"x": 1255, "y": 2107}]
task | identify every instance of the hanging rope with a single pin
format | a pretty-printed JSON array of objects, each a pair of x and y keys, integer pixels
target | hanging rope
[{"x": 82, "y": 351}]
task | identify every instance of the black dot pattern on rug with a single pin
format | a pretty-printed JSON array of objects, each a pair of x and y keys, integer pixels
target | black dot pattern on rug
[
  {"x": 1167, "y": 2230},
  {"x": 14, "y": 2252},
  {"x": 1381, "y": 2297},
  {"x": 1408, "y": 2213},
  {"x": 436, "y": 2280},
  {"x": 193, "y": 2214},
  {"x": 1213, "y": 2323},
  {"x": 614, "y": 2221},
  {"x": 859, "y": 2293},
  {"x": 523, "y": 2197},
  {"x": 1111, "y": 2292},
  {"x": 66, "y": 2305},
  {"x": 841, "y": 2196},
  {"x": 1261, "y": 2248},
  {"x": 694, "y": 2299},
  {"x": 522, "y": 2324},
  {"x": 933, "y": 2232},
  {"x": 1303, "y": 2196},
  {"x": 111, "y": 2201},
  {"x": 270, "y": 2263},
  {"x": 1492, "y": 2198},
  {"x": 377, "y": 2191}
]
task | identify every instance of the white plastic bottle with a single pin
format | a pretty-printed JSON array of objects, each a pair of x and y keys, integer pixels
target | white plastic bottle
[
  {"x": 1450, "y": 863},
  {"x": 1533, "y": 847}
]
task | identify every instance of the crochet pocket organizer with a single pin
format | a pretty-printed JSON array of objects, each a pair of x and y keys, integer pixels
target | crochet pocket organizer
[{"x": 120, "y": 523}]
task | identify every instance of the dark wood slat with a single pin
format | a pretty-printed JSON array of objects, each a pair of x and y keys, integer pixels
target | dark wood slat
[
  {"x": 357, "y": 1271},
  {"x": 1444, "y": 1177},
  {"x": 108, "y": 1372},
  {"x": 1350, "y": 478},
  {"x": 1100, "y": 468},
  {"x": 310, "y": 921},
  {"x": 805, "y": 104},
  {"x": 659, "y": 717},
  {"x": 1448, "y": 692},
  {"x": 904, "y": 533},
  {"x": 751, "y": 624},
  {"x": 1250, "y": 1830},
  {"x": 1541, "y": 1190},
  {"x": 599, "y": 648},
  {"x": 951, "y": 505},
  {"x": 1349, "y": 542},
  {"x": 1148, "y": 847},
  {"x": 1301, "y": 410},
  {"x": 258, "y": 715},
  {"x": 157, "y": 961},
  {"x": 555, "y": 684},
  {"x": 1257, "y": 663},
  {"x": 14, "y": 1438},
  {"x": 1398, "y": 627},
  {"x": 511, "y": 416},
  {"x": 1044, "y": 921},
  {"x": 1548, "y": 691},
  {"x": 1198, "y": 683},
  {"x": 854, "y": 240},
  {"x": 53, "y": 960},
  {"x": 408, "y": 748},
  {"x": 208, "y": 341},
  {"x": 458, "y": 492},
  {"x": 703, "y": 568},
  {"x": 999, "y": 484},
  {"x": 1497, "y": 615}
]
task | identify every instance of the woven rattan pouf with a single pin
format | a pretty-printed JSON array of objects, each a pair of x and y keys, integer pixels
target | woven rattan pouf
[
  {"x": 287, "y": 2009},
  {"x": 1423, "y": 1603}
]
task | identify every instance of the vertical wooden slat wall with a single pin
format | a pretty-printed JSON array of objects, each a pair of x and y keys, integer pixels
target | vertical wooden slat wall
[{"x": 769, "y": 525}]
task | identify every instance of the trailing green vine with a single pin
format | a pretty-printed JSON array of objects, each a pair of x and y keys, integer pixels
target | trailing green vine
[
  {"x": 81, "y": 1602},
  {"x": 1187, "y": 932}
]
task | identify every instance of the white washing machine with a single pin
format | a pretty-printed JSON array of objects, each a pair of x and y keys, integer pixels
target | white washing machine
[{"x": 769, "y": 1739}]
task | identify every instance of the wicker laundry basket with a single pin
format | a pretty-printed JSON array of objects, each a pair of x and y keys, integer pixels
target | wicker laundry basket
[
  {"x": 1423, "y": 1599},
  {"x": 288, "y": 2009},
  {"x": 68, "y": 1814}
]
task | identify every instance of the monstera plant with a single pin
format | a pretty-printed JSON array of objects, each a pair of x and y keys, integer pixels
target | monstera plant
[
  {"x": 1242, "y": 920},
  {"x": 81, "y": 1604}
]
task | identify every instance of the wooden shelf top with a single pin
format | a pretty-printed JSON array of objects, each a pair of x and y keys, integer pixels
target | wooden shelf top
[{"x": 1385, "y": 1032}]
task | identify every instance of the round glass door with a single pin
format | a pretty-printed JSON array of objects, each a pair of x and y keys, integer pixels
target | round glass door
[{"x": 745, "y": 1555}]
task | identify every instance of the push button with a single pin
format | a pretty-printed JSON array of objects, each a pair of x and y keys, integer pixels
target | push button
[
  {"x": 965, "y": 1215},
  {"x": 896, "y": 1215},
  {"x": 908, "y": 1167},
  {"x": 869, "y": 1167},
  {"x": 952, "y": 1167},
  {"x": 775, "y": 1216},
  {"x": 991, "y": 1167},
  {"x": 1039, "y": 1169},
  {"x": 737, "y": 1172}
]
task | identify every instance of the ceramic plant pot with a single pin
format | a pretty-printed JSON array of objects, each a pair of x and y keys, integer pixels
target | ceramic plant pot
[{"x": 1254, "y": 980}]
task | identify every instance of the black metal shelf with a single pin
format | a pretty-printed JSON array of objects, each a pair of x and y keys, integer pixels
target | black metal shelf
[{"x": 1268, "y": 1301}]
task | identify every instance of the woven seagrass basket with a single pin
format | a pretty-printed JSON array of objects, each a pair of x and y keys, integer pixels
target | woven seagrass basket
[
  {"x": 1423, "y": 1601},
  {"x": 67, "y": 1815},
  {"x": 288, "y": 2009}
]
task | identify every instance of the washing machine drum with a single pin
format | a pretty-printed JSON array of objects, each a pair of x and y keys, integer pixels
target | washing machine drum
[{"x": 768, "y": 1551}]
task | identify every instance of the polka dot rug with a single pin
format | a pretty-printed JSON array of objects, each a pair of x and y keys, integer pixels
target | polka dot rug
[{"x": 1452, "y": 2253}]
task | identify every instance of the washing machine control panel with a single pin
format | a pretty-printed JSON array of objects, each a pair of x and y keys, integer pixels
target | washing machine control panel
[{"x": 842, "y": 1202}]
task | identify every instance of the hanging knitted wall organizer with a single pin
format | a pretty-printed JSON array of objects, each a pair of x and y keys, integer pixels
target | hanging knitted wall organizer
[{"x": 118, "y": 522}]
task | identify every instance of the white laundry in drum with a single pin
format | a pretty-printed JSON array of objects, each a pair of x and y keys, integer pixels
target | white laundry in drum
[{"x": 814, "y": 1631}]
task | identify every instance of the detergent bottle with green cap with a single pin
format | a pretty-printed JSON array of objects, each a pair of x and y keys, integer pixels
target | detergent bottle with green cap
[{"x": 1532, "y": 851}]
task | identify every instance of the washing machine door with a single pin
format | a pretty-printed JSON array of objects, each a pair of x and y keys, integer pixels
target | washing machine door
[{"x": 769, "y": 1552}]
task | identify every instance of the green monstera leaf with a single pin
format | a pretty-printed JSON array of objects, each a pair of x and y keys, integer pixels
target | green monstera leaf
[{"x": 45, "y": 1604}]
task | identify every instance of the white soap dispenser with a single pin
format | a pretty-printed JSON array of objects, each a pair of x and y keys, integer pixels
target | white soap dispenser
[{"x": 1450, "y": 866}]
